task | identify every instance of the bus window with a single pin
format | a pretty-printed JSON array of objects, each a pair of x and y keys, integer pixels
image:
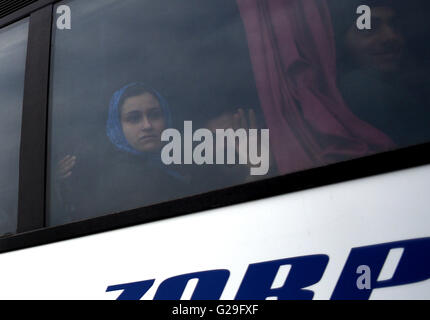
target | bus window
[
  {"x": 152, "y": 101},
  {"x": 123, "y": 74},
  {"x": 13, "y": 49},
  {"x": 383, "y": 68}
]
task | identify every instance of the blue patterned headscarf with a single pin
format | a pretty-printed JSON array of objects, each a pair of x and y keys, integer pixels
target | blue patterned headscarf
[
  {"x": 114, "y": 127},
  {"x": 116, "y": 134}
]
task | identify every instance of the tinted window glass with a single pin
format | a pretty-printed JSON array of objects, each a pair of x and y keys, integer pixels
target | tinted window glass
[
  {"x": 157, "y": 100},
  {"x": 383, "y": 65},
  {"x": 13, "y": 48},
  {"x": 127, "y": 64}
]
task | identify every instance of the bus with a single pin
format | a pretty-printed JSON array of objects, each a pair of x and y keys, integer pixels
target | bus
[{"x": 214, "y": 150}]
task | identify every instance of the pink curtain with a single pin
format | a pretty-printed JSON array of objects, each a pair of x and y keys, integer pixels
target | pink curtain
[{"x": 291, "y": 44}]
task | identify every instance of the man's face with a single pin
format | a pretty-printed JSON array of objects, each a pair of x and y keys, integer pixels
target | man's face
[
  {"x": 143, "y": 122},
  {"x": 382, "y": 47}
]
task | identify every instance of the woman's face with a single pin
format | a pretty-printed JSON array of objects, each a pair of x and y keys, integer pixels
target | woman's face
[
  {"x": 143, "y": 122},
  {"x": 383, "y": 46}
]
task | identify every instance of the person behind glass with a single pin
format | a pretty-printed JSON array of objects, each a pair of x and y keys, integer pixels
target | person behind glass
[
  {"x": 134, "y": 175},
  {"x": 379, "y": 78},
  {"x": 213, "y": 177}
]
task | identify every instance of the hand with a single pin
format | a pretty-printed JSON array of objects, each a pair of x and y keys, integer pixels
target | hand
[
  {"x": 241, "y": 120},
  {"x": 65, "y": 166},
  {"x": 248, "y": 121},
  {"x": 245, "y": 120}
]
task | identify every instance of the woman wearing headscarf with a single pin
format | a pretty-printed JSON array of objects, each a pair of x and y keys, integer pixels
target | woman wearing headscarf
[
  {"x": 133, "y": 175},
  {"x": 138, "y": 115}
]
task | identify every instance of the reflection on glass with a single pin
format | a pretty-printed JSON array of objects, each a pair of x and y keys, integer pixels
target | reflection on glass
[
  {"x": 131, "y": 73},
  {"x": 383, "y": 74},
  {"x": 125, "y": 72},
  {"x": 13, "y": 49}
]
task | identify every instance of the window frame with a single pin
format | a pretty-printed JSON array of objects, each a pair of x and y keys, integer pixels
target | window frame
[{"x": 32, "y": 229}]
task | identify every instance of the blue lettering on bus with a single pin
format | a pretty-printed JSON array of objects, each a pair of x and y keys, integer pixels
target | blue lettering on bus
[
  {"x": 414, "y": 266},
  {"x": 132, "y": 291},
  {"x": 210, "y": 286},
  {"x": 304, "y": 272}
]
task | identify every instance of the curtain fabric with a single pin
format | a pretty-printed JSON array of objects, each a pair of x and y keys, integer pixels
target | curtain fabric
[{"x": 292, "y": 49}]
